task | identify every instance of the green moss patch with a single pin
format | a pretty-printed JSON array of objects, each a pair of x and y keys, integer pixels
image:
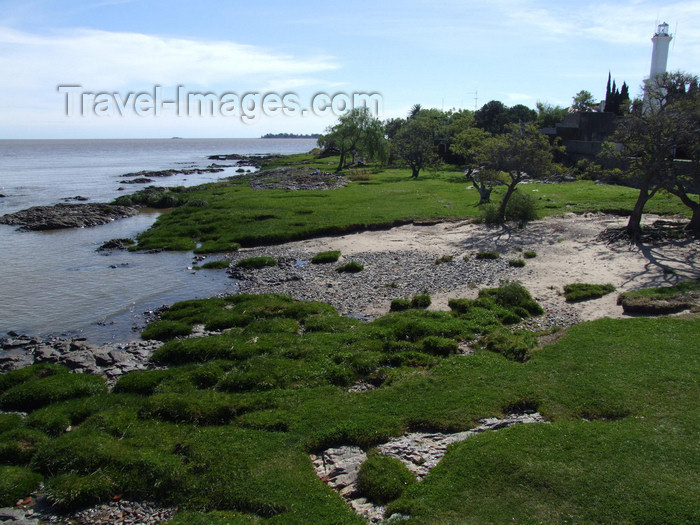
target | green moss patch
[
  {"x": 37, "y": 393},
  {"x": 16, "y": 483},
  {"x": 382, "y": 479},
  {"x": 326, "y": 257},
  {"x": 351, "y": 267},
  {"x": 583, "y": 291}
]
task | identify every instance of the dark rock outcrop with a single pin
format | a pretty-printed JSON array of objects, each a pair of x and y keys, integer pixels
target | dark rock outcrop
[{"x": 64, "y": 215}]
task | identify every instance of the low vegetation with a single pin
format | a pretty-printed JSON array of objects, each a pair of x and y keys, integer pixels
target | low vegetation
[
  {"x": 661, "y": 300},
  {"x": 326, "y": 257},
  {"x": 488, "y": 255},
  {"x": 382, "y": 479},
  {"x": 274, "y": 387},
  {"x": 351, "y": 267},
  {"x": 213, "y": 265},
  {"x": 585, "y": 291}
]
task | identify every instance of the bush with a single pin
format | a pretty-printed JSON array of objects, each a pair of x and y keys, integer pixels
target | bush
[
  {"x": 516, "y": 263},
  {"x": 351, "y": 267},
  {"x": 398, "y": 305},
  {"x": 492, "y": 215},
  {"x": 521, "y": 208},
  {"x": 488, "y": 255},
  {"x": 16, "y": 483},
  {"x": 583, "y": 291},
  {"x": 420, "y": 301},
  {"x": 326, "y": 257},
  {"x": 511, "y": 295},
  {"x": 530, "y": 255},
  {"x": 440, "y": 346},
  {"x": 166, "y": 330},
  {"x": 382, "y": 479},
  {"x": 255, "y": 263},
  {"x": 72, "y": 491},
  {"x": 41, "y": 392}
]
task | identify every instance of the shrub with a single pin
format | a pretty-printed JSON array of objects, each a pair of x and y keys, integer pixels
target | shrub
[
  {"x": 488, "y": 255},
  {"x": 420, "y": 301},
  {"x": 255, "y": 263},
  {"x": 583, "y": 291},
  {"x": 351, "y": 267},
  {"x": 41, "y": 392},
  {"x": 398, "y": 305},
  {"x": 16, "y": 483},
  {"x": 326, "y": 257},
  {"x": 382, "y": 479},
  {"x": 72, "y": 491},
  {"x": 521, "y": 208},
  {"x": 440, "y": 346},
  {"x": 530, "y": 255},
  {"x": 492, "y": 215},
  {"x": 510, "y": 295},
  {"x": 516, "y": 263},
  {"x": 166, "y": 330}
]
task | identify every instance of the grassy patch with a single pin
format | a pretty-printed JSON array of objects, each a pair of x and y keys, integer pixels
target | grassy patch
[
  {"x": 351, "y": 267},
  {"x": 488, "y": 255},
  {"x": 326, "y": 257},
  {"x": 583, "y": 291},
  {"x": 529, "y": 254},
  {"x": 516, "y": 263},
  {"x": 16, "y": 483},
  {"x": 37, "y": 393},
  {"x": 213, "y": 265},
  {"x": 661, "y": 300},
  {"x": 383, "y": 479},
  {"x": 248, "y": 405},
  {"x": 444, "y": 259}
]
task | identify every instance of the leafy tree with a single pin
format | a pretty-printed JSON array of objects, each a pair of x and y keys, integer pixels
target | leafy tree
[
  {"x": 521, "y": 114},
  {"x": 548, "y": 115},
  {"x": 666, "y": 121},
  {"x": 356, "y": 132},
  {"x": 466, "y": 147},
  {"x": 583, "y": 101},
  {"x": 414, "y": 144},
  {"x": 522, "y": 151},
  {"x": 492, "y": 116}
]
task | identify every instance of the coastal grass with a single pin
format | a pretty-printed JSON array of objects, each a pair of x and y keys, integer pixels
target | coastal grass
[
  {"x": 236, "y": 215},
  {"x": 255, "y": 263},
  {"x": 248, "y": 406},
  {"x": 326, "y": 257},
  {"x": 576, "y": 292},
  {"x": 661, "y": 300}
]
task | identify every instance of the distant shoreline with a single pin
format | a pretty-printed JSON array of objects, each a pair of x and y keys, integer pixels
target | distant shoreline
[{"x": 290, "y": 136}]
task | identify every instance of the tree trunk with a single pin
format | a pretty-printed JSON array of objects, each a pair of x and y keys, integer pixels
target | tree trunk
[
  {"x": 484, "y": 194},
  {"x": 694, "y": 224},
  {"x": 634, "y": 224},
  {"x": 414, "y": 171},
  {"x": 341, "y": 162},
  {"x": 506, "y": 198}
]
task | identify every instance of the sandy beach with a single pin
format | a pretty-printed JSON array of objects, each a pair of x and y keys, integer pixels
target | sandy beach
[{"x": 401, "y": 262}]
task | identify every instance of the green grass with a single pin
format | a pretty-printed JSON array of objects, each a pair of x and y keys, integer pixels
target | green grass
[
  {"x": 516, "y": 263},
  {"x": 350, "y": 267},
  {"x": 224, "y": 432},
  {"x": 383, "y": 479},
  {"x": 584, "y": 291},
  {"x": 326, "y": 257},
  {"x": 16, "y": 483},
  {"x": 232, "y": 216},
  {"x": 661, "y": 300},
  {"x": 488, "y": 255}
]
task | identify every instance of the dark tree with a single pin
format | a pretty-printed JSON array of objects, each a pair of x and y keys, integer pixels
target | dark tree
[
  {"x": 414, "y": 145},
  {"x": 492, "y": 116},
  {"x": 356, "y": 132},
  {"x": 657, "y": 128}
]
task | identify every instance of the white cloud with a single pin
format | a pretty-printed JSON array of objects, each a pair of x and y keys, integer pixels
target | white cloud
[{"x": 112, "y": 60}]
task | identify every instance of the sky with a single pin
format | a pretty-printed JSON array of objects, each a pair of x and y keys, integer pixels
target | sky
[{"x": 133, "y": 68}]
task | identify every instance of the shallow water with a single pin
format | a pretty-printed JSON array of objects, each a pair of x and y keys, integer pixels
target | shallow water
[{"x": 55, "y": 282}]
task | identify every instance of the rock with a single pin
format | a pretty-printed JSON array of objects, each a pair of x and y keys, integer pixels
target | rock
[
  {"x": 116, "y": 244},
  {"x": 294, "y": 178},
  {"x": 65, "y": 215}
]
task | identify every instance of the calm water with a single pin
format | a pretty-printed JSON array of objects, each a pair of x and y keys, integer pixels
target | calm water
[{"x": 55, "y": 282}]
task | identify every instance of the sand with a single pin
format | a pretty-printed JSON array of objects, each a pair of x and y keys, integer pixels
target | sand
[{"x": 568, "y": 250}]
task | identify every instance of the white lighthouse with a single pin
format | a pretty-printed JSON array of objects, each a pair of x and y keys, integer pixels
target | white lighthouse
[{"x": 659, "y": 53}]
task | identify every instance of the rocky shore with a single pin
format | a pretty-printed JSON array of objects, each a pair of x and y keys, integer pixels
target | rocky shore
[{"x": 66, "y": 215}]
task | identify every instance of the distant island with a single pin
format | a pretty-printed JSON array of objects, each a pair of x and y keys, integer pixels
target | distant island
[{"x": 290, "y": 136}]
